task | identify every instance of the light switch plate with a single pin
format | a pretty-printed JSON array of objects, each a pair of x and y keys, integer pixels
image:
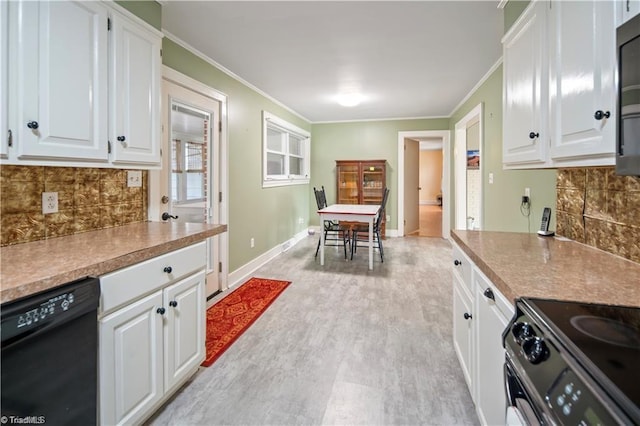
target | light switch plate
[
  {"x": 49, "y": 202},
  {"x": 134, "y": 178}
]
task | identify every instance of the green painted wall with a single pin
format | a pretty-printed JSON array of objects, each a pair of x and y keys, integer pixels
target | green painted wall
[
  {"x": 365, "y": 140},
  {"x": 270, "y": 215},
  {"x": 501, "y": 210},
  {"x": 512, "y": 11},
  {"x": 149, "y": 11}
]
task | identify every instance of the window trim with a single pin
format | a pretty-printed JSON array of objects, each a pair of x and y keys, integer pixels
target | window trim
[{"x": 274, "y": 122}]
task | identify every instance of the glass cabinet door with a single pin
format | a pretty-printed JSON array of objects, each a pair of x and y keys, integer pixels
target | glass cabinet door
[
  {"x": 348, "y": 177},
  {"x": 373, "y": 183}
]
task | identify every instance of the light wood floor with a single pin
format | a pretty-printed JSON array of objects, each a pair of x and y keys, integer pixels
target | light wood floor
[
  {"x": 430, "y": 222},
  {"x": 341, "y": 346}
]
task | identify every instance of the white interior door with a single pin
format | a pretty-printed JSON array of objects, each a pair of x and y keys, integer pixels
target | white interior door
[
  {"x": 190, "y": 181},
  {"x": 412, "y": 190}
]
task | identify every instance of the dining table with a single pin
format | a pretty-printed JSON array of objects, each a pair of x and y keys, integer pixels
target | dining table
[{"x": 365, "y": 213}]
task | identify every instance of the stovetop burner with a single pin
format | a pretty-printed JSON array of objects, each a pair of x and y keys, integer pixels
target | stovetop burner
[{"x": 607, "y": 330}]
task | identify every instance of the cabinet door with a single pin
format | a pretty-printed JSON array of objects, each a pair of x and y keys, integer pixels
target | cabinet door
[
  {"x": 348, "y": 176},
  {"x": 59, "y": 78},
  {"x": 131, "y": 361},
  {"x": 135, "y": 93},
  {"x": 373, "y": 182},
  {"x": 524, "y": 86},
  {"x": 4, "y": 95},
  {"x": 490, "y": 321},
  {"x": 462, "y": 328},
  {"x": 185, "y": 330},
  {"x": 582, "y": 81}
]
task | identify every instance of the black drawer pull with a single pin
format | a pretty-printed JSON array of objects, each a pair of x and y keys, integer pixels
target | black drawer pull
[
  {"x": 161, "y": 311},
  {"x": 488, "y": 293},
  {"x": 173, "y": 304},
  {"x": 168, "y": 269}
]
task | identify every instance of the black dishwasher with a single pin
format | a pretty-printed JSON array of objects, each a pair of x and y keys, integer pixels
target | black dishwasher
[{"x": 50, "y": 356}]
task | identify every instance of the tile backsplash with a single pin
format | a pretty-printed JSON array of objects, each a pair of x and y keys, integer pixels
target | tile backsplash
[
  {"x": 596, "y": 207},
  {"x": 88, "y": 199}
]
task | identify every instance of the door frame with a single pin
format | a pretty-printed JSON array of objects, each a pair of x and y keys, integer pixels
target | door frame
[
  {"x": 175, "y": 77},
  {"x": 460, "y": 165},
  {"x": 413, "y": 134}
]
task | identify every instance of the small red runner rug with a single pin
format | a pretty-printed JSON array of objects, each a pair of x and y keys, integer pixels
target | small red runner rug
[{"x": 232, "y": 315}]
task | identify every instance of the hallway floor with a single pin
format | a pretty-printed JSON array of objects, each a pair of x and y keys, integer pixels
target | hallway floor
[
  {"x": 342, "y": 345},
  {"x": 430, "y": 222}
]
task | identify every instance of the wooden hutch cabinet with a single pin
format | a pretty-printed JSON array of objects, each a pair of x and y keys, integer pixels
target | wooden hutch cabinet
[{"x": 361, "y": 182}]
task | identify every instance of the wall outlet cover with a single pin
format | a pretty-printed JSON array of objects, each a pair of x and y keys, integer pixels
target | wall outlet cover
[
  {"x": 134, "y": 178},
  {"x": 49, "y": 202}
]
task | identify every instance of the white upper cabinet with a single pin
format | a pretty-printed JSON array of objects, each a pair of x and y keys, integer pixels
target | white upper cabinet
[
  {"x": 560, "y": 85},
  {"x": 4, "y": 104},
  {"x": 84, "y": 80},
  {"x": 524, "y": 95},
  {"x": 59, "y": 82},
  {"x": 135, "y": 93},
  {"x": 582, "y": 80}
]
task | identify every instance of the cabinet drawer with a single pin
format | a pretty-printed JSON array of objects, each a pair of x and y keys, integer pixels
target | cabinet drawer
[
  {"x": 464, "y": 267},
  {"x": 127, "y": 284}
]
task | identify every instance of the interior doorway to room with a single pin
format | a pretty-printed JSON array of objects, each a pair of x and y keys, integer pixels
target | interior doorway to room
[
  {"x": 193, "y": 173},
  {"x": 423, "y": 194},
  {"x": 468, "y": 167},
  {"x": 423, "y": 209}
]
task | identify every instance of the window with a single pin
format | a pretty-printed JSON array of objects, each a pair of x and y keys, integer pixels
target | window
[
  {"x": 286, "y": 152},
  {"x": 188, "y": 157}
]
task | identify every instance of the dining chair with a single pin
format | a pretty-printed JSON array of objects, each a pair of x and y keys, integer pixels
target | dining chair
[
  {"x": 333, "y": 232},
  {"x": 360, "y": 232}
]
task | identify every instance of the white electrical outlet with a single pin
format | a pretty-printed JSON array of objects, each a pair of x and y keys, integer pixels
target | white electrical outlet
[
  {"x": 527, "y": 192},
  {"x": 134, "y": 178},
  {"x": 300, "y": 220},
  {"x": 49, "y": 202},
  {"x": 253, "y": 242}
]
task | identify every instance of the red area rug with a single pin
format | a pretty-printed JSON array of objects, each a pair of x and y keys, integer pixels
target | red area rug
[{"x": 232, "y": 315}]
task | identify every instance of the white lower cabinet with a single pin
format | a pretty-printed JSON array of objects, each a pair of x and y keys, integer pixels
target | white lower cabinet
[
  {"x": 152, "y": 330},
  {"x": 480, "y": 315}
]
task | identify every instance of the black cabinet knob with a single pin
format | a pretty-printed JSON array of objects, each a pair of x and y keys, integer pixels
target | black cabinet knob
[
  {"x": 533, "y": 135},
  {"x": 33, "y": 125},
  {"x": 467, "y": 316},
  {"x": 457, "y": 262},
  {"x": 173, "y": 303},
  {"x": 599, "y": 115},
  {"x": 168, "y": 269},
  {"x": 161, "y": 311},
  {"x": 488, "y": 293},
  {"x": 121, "y": 138}
]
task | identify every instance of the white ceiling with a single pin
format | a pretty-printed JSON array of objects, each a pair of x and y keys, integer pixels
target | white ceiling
[{"x": 408, "y": 58}]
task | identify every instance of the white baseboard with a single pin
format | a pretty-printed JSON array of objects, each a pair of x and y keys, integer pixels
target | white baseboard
[
  {"x": 429, "y": 202},
  {"x": 245, "y": 272}
]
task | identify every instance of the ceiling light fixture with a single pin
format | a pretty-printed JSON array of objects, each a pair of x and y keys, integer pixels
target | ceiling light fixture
[{"x": 349, "y": 99}]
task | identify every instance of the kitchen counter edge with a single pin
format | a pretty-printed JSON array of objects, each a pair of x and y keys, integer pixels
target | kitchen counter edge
[
  {"x": 527, "y": 265},
  {"x": 34, "y": 267}
]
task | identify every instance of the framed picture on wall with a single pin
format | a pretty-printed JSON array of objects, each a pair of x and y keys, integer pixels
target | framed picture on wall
[{"x": 473, "y": 159}]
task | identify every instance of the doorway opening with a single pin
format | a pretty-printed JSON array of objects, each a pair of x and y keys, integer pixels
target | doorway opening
[
  {"x": 430, "y": 195},
  {"x": 193, "y": 178}
]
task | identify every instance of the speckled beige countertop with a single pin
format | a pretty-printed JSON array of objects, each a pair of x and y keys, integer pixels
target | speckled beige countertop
[
  {"x": 526, "y": 265},
  {"x": 32, "y": 267}
]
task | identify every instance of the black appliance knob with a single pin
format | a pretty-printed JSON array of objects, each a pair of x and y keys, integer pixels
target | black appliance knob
[
  {"x": 161, "y": 311},
  {"x": 534, "y": 135},
  {"x": 599, "y": 115},
  {"x": 488, "y": 293},
  {"x": 173, "y": 303},
  {"x": 457, "y": 262},
  {"x": 522, "y": 331},
  {"x": 33, "y": 125},
  {"x": 467, "y": 316},
  {"x": 535, "y": 350},
  {"x": 168, "y": 269}
]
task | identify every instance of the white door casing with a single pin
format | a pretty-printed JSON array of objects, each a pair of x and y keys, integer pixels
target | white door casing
[{"x": 460, "y": 166}]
